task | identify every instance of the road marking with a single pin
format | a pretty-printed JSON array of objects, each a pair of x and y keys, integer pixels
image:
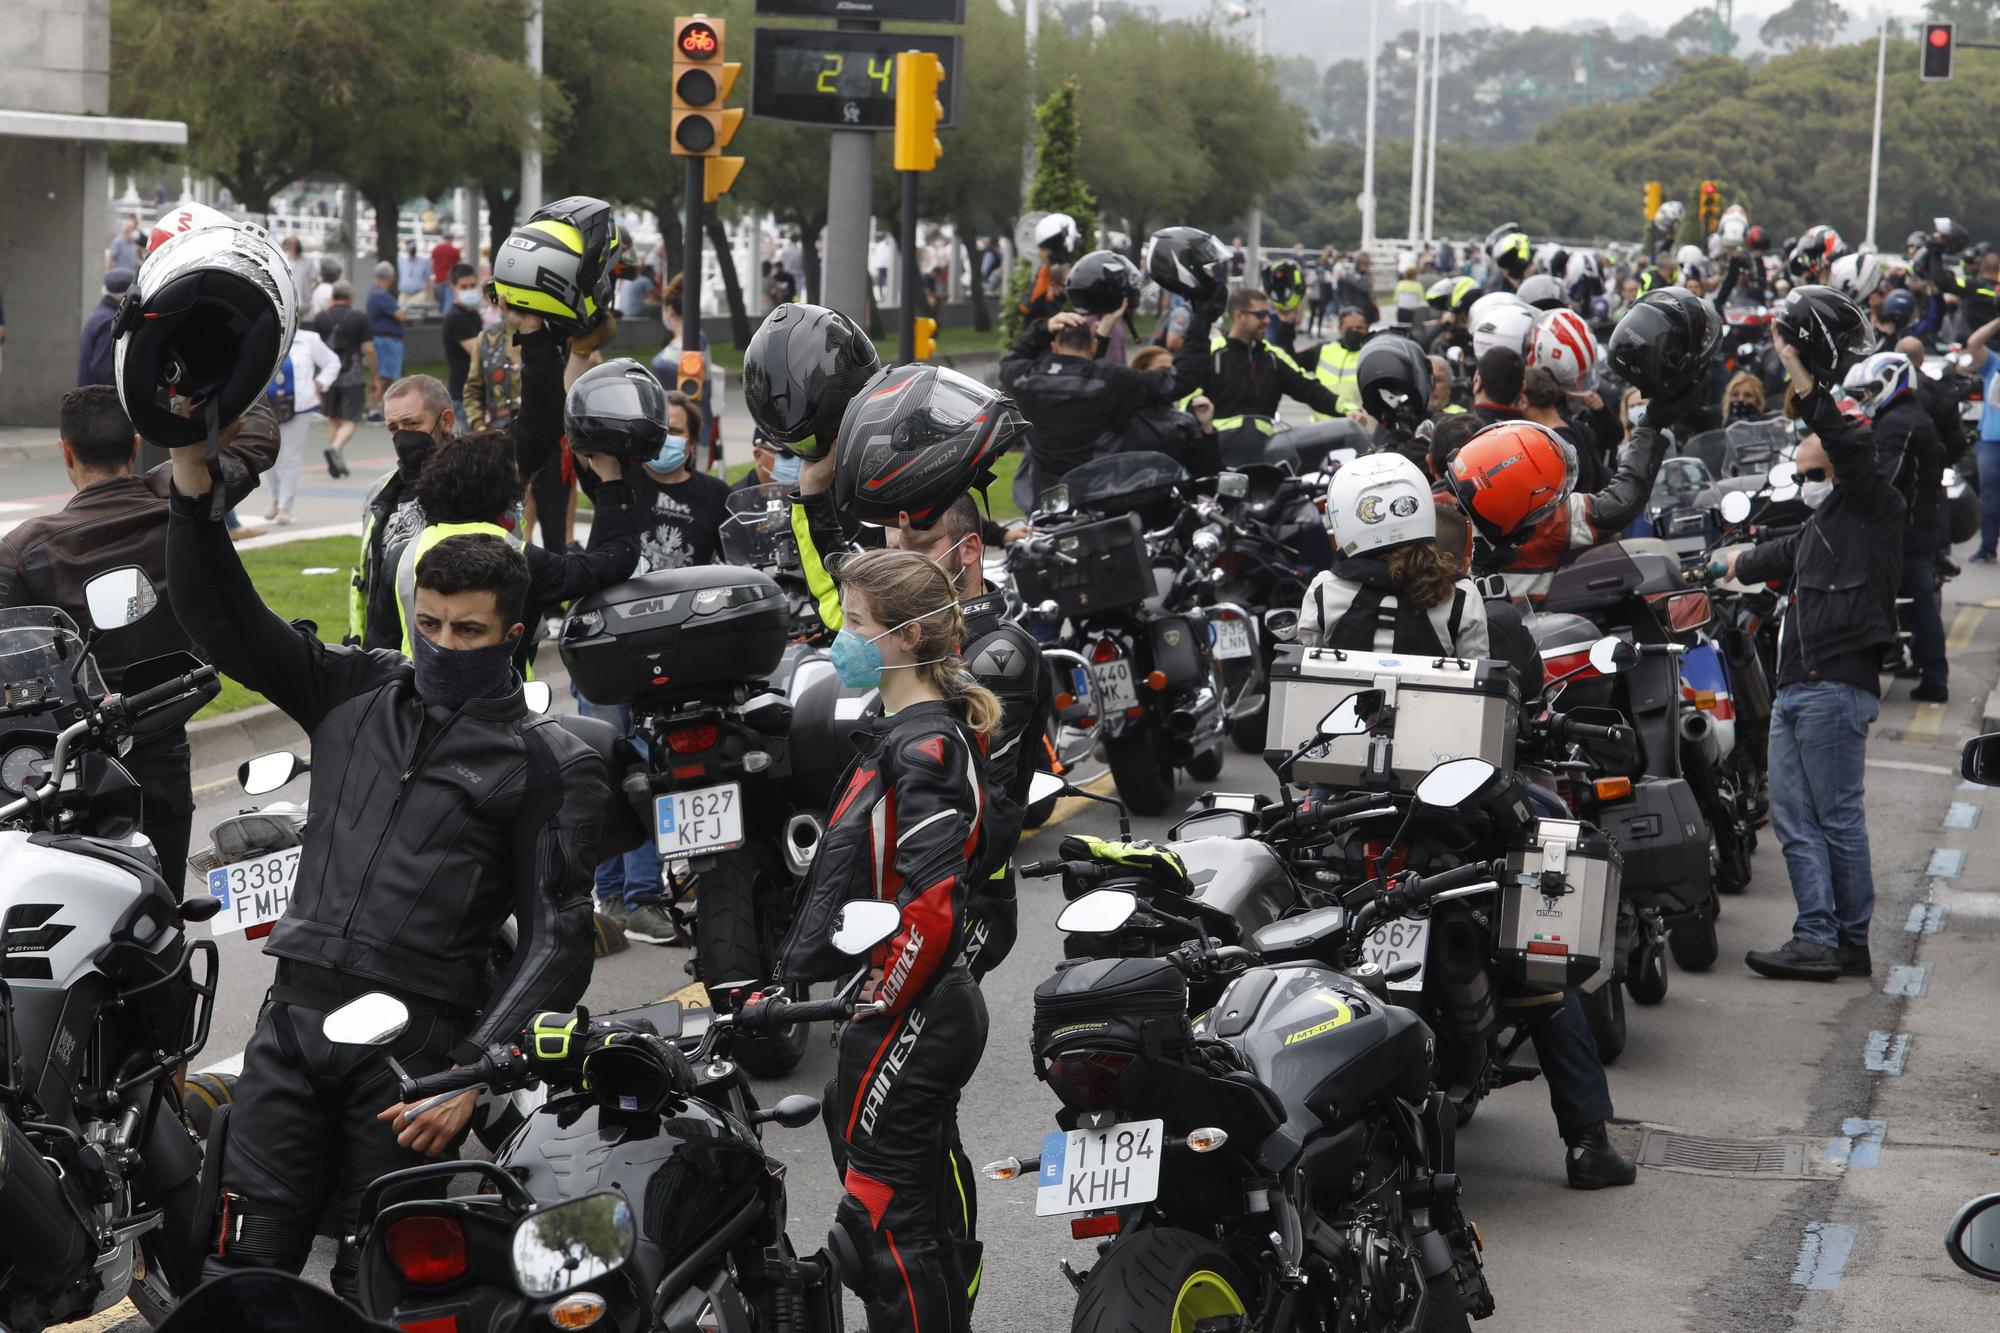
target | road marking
[
  {"x": 1925, "y": 919},
  {"x": 694, "y": 995},
  {"x": 1909, "y": 980},
  {"x": 1860, "y": 1144},
  {"x": 1905, "y": 766},
  {"x": 1885, "y": 1052},
  {"x": 1964, "y": 626},
  {"x": 1929, "y": 718},
  {"x": 1822, "y": 1255},
  {"x": 1963, "y": 814},
  {"x": 1974, "y": 903},
  {"x": 1946, "y": 862}
]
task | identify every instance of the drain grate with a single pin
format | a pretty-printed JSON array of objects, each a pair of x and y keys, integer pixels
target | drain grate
[{"x": 1761, "y": 1159}]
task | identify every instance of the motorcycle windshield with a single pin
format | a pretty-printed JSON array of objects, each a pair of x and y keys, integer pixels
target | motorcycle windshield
[
  {"x": 1681, "y": 482},
  {"x": 1119, "y": 481},
  {"x": 757, "y": 527},
  {"x": 1754, "y": 446},
  {"x": 39, "y": 655},
  {"x": 1710, "y": 448},
  {"x": 1600, "y": 577}
]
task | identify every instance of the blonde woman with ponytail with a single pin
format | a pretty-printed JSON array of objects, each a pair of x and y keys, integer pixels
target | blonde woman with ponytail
[{"x": 908, "y": 827}]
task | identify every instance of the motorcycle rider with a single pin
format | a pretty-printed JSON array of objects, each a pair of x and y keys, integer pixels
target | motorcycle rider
[
  {"x": 496, "y": 811},
  {"x": 417, "y": 412},
  {"x": 1908, "y": 453},
  {"x": 1241, "y": 373},
  {"x": 1072, "y": 396},
  {"x": 1395, "y": 590},
  {"x": 909, "y": 828},
  {"x": 119, "y": 518}
]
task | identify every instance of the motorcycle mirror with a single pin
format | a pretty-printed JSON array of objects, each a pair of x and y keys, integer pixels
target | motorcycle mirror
[
  {"x": 1611, "y": 655},
  {"x": 1282, "y": 623},
  {"x": 1098, "y": 912},
  {"x": 1735, "y": 508},
  {"x": 199, "y": 908},
  {"x": 366, "y": 1020},
  {"x": 1353, "y": 715},
  {"x": 535, "y": 694},
  {"x": 566, "y": 1245},
  {"x": 1045, "y": 786},
  {"x": 119, "y": 597},
  {"x": 1042, "y": 786},
  {"x": 268, "y": 772},
  {"x": 1053, "y": 501},
  {"x": 1232, "y": 485},
  {"x": 1454, "y": 782},
  {"x": 1782, "y": 474},
  {"x": 793, "y": 1112},
  {"x": 1973, "y": 1239},
  {"x": 863, "y": 925},
  {"x": 1979, "y": 761}
]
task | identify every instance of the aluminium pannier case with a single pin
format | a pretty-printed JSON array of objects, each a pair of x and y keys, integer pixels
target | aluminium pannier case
[
  {"x": 675, "y": 630},
  {"x": 1446, "y": 708},
  {"x": 1663, "y": 836},
  {"x": 1110, "y": 569},
  {"x": 1567, "y": 938}
]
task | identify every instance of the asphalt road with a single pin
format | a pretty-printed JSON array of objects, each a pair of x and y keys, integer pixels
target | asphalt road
[{"x": 1854, "y": 1246}]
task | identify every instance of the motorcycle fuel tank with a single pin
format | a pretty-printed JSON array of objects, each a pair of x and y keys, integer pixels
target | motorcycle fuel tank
[{"x": 1240, "y": 876}]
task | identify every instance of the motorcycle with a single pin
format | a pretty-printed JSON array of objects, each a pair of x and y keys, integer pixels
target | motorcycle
[
  {"x": 638, "y": 1197},
  {"x": 103, "y": 997}
]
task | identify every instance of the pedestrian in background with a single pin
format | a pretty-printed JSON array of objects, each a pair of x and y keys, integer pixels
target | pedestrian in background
[
  {"x": 346, "y": 331},
  {"x": 1985, "y": 363},
  {"x": 463, "y": 324},
  {"x": 305, "y": 272},
  {"x": 294, "y": 395},
  {"x": 413, "y": 276},
  {"x": 127, "y": 248},
  {"x": 94, "y": 363},
  {"x": 385, "y": 323},
  {"x": 322, "y": 293},
  {"x": 444, "y": 258}
]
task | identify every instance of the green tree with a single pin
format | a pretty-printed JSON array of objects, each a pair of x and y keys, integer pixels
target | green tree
[
  {"x": 1803, "y": 23},
  {"x": 1977, "y": 20},
  {"x": 1057, "y": 188},
  {"x": 1694, "y": 33}
]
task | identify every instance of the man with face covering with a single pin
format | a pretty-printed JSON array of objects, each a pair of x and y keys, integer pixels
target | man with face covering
[
  {"x": 1242, "y": 373},
  {"x": 441, "y": 805}
]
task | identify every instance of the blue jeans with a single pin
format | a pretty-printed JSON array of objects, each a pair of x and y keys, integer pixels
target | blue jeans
[
  {"x": 442, "y": 291},
  {"x": 1921, "y": 617},
  {"x": 636, "y": 874},
  {"x": 1578, "y": 1091},
  {"x": 389, "y": 360},
  {"x": 1819, "y": 743},
  {"x": 1989, "y": 495}
]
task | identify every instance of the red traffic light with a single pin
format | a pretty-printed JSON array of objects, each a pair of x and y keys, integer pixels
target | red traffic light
[
  {"x": 699, "y": 41},
  {"x": 1938, "y": 51},
  {"x": 1939, "y": 35}
]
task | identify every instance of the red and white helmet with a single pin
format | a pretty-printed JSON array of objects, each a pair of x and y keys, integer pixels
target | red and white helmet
[
  {"x": 182, "y": 218},
  {"x": 1563, "y": 343}
]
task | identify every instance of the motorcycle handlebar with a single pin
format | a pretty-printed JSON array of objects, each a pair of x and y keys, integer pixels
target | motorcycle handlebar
[
  {"x": 166, "y": 691},
  {"x": 480, "y": 1071},
  {"x": 765, "y": 1016},
  {"x": 1563, "y": 729},
  {"x": 1326, "y": 813},
  {"x": 1083, "y": 872}
]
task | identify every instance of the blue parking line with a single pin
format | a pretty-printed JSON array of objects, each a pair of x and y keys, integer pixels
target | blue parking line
[
  {"x": 1909, "y": 980},
  {"x": 1925, "y": 919},
  {"x": 1946, "y": 862},
  {"x": 1885, "y": 1052},
  {"x": 1859, "y": 1146},
  {"x": 1962, "y": 814},
  {"x": 1823, "y": 1255}
]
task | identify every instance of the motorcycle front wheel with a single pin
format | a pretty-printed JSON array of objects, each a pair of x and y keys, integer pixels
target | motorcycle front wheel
[
  {"x": 1161, "y": 1281},
  {"x": 1604, "y": 1008},
  {"x": 1142, "y": 769}
]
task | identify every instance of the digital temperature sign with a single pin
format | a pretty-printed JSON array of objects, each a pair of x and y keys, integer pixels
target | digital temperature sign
[{"x": 840, "y": 80}]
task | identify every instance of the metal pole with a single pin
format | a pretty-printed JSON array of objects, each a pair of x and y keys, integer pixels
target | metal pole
[
  {"x": 1367, "y": 199},
  {"x": 691, "y": 283},
  {"x": 843, "y": 278},
  {"x": 1431, "y": 153},
  {"x": 1875, "y": 149},
  {"x": 1417, "y": 133},
  {"x": 912, "y": 284},
  {"x": 531, "y": 150},
  {"x": 1253, "y": 261},
  {"x": 1032, "y": 36}
]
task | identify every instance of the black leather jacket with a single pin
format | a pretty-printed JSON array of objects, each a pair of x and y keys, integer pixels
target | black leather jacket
[
  {"x": 1909, "y": 455},
  {"x": 428, "y": 827}
]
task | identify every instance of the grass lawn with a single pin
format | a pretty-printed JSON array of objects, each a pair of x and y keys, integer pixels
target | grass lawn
[{"x": 321, "y": 598}]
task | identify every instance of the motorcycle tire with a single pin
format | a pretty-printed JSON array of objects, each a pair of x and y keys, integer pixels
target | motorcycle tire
[
  {"x": 1444, "y": 1309},
  {"x": 1604, "y": 1009},
  {"x": 205, "y": 1092},
  {"x": 1247, "y": 733},
  {"x": 1732, "y": 859},
  {"x": 1646, "y": 975},
  {"x": 1693, "y": 942},
  {"x": 735, "y": 938},
  {"x": 1160, "y": 1281},
  {"x": 1142, "y": 770},
  {"x": 1206, "y": 766},
  {"x": 154, "y": 1292}
]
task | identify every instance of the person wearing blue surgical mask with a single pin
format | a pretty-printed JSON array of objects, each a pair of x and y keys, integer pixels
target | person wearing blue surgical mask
[{"x": 681, "y": 509}]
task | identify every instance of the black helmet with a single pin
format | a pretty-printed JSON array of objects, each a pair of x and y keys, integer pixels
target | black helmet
[
  {"x": 1662, "y": 345},
  {"x": 1952, "y": 236},
  {"x": 635, "y": 1073},
  {"x": 209, "y": 319},
  {"x": 1819, "y": 247},
  {"x": 1899, "y": 307},
  {"x": 558, "y": 264},
  {"x": 803, "y": 364},
  {"x": 1393, "y": 376},
  {"x": 1186, "y": 260},
  {"x": 1285, "y": 284},
  {"x": 1102, "y": 281},
  {"x": 1826, "y": 328},
  {"x": 915, "y": 439},
  {"x": 618, "y": 409}
]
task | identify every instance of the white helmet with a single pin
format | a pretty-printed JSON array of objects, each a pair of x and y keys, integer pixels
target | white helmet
[
  {"x": 1544, "y": 291},
  {"x": 1692, "y": 262},
  {"x": 1058, "y": 232},
  {"x": 1735, "y": 228},
  {"x": 1879, "y": 380},
  {"x": 1377, "y": 501},
  {"x": 1502, "y": 324},
  {"x": 1562, "y": 342},
  {"x": 1583, "y": 266},
  {"x": 182, "y": 218},
  {"x": 210, "y": 319},
  {"x": 1858, "y": 274}
]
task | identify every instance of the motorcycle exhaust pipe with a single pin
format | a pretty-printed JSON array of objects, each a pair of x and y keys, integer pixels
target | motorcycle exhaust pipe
[
  {"x": 802, "y": 835},
  {"x": 1700, "y": 732},
  {"x": 45, "y": 1235},
  {"x": 1186, "y": 721}
]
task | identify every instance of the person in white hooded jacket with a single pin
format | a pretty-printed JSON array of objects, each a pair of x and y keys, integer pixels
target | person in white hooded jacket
[{"x": 294, "y": 395}]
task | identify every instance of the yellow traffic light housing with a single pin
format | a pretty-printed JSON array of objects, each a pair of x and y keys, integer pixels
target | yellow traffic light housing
[
  {"x": 926, "y": 346},
  {"x": 718, "y": 174},
  {"x": 1710, "y": 206},
  {"x": 918, "y": 110},
  {"x": 1652, "y": 199},
  {"x": 691, "y": 374},
  {"x": 703, "y": 80}
]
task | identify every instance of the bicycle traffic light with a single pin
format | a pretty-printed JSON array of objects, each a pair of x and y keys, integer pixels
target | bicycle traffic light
[
  {"x": 702, "y": 125},
  {"x": 926, "y": 345},
  {"x": 1710, "y": 206},
  {"x": 1940, "y": 40},
  {"x": 918, "y": 110}
]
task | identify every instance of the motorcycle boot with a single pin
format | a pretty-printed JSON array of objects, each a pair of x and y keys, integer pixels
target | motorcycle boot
[{"x": 1593, "y": 1164}]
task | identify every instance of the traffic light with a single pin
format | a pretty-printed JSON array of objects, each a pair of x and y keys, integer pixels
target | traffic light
[
  {"x": 926, "y": 338},
  {"x": 691, "y": 374},
  {"x": 918, "y": 111},
  {"x": 1652, "y": 199},
  {"x": 1710, "y": 207},
  {"x": 1940, "y": 39},
  {"x": 702, "y": 125}
]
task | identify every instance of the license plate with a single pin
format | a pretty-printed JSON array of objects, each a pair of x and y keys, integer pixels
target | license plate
[
  {"x": 1111, "y": 682},
  {"x": 706, "y": 819},
  {"x": 1230, "y": 637},
  {"x": 253, "y": 893},
  {"x": 1400, "y": 941},
  {"x": 1087, "y": 1169}
]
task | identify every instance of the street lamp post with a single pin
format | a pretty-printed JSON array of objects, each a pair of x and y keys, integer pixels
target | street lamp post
[
  {"x": 1417, "y": 134},
  {"x": 1431, "y": 152},
  {"x": 1367, "y": 197}
]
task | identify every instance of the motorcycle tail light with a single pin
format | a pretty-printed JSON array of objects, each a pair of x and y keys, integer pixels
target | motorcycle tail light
[
  {"x": 693, "y": 740},
  {"x": 682, "y": 772},
  {"x": 444, "y": 1323},
  {"x": 1613, "y": 789},
  {"x": 1088, "y": 1078},
  {"x": 1104, "y": 650},
  {"x": 1687, "y": 611},
  {"x": 427, "y": 1250},
  {"x": 1086, "y": 1228}
]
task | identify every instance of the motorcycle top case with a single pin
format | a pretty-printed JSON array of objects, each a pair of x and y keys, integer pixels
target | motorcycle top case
[
  {"x": 675, "y": 630},
  {"x": 1663, "y": 837},
  {"x": 1112, "y": 569},
  {"x": 1446, "y": 708},
  {"x": 1568, "y": 938},
  {"x": 1131, "y": 1007}
]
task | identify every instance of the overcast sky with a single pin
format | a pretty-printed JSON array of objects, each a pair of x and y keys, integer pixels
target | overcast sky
[{"x": 1659, "y": 13}]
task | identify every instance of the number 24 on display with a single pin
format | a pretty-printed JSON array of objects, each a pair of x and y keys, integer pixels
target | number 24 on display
[{"x": 879, "y": 69}]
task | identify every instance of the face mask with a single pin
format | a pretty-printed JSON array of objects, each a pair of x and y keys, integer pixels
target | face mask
[
  {"x": 1740, "y": 410},
  {"x": 1353, "y": 338},
  {"x": 452, "y": 677},
  {"x": 412, "y": 448},
  {"x": 1814, "y": 493},
  {"x": 672, "y": 456},
  {"x": 858, "y": 661},
  {"x": 787, "y": 468},
  {"x": 469, "y": 298}
]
